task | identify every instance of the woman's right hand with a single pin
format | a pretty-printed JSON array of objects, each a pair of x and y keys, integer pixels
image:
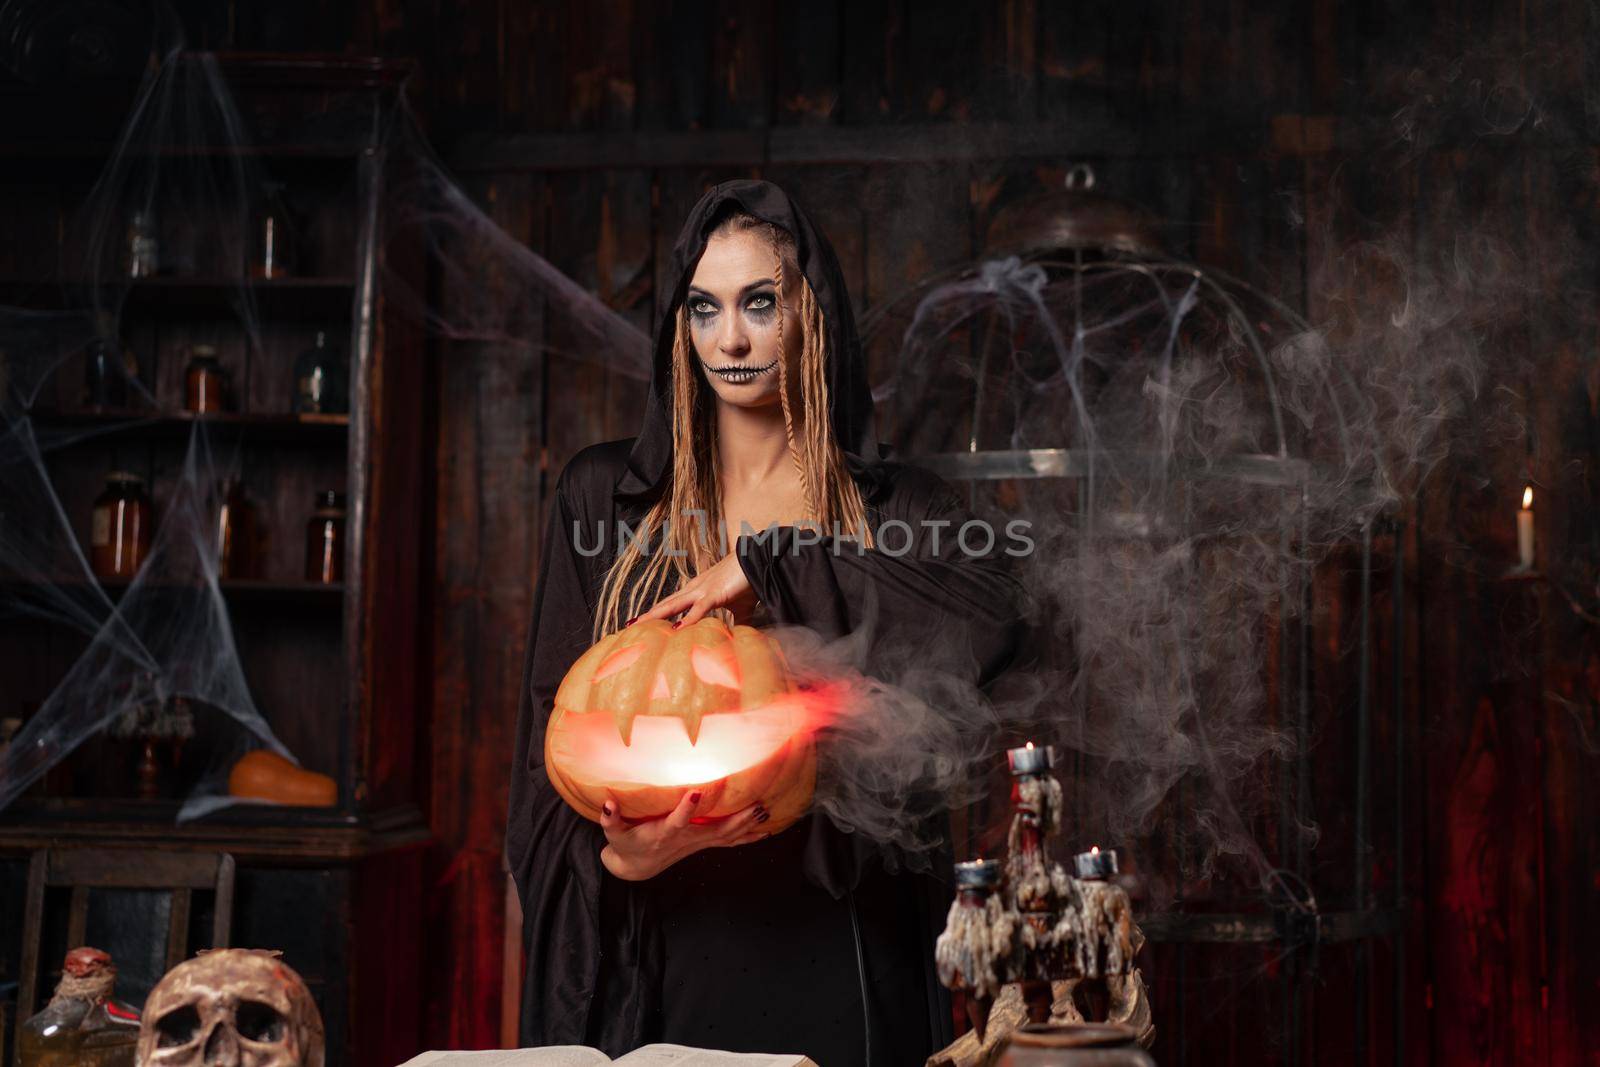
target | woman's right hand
[{"x": 635, "y": 851}]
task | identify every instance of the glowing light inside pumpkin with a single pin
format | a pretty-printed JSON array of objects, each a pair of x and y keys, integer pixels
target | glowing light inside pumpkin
[{"x": 661, "y": 754}]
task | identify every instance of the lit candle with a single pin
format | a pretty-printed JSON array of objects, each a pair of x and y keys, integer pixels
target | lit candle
[
  {"x": 1030, "y": 760},
  {"x": 1094, "y": 865},
  {"x": 1525, "y": 529},
  {"x": 978, "y": 874}
]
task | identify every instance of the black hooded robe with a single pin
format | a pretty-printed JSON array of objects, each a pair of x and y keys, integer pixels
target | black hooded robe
[{"x": 804, "y": 942}]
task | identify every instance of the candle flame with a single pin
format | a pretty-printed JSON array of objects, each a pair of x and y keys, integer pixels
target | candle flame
[
  {"x": 1028, "y": 745},
  {"x": 1527, "y": 498},
  {"x": 1094, "y": 850}
]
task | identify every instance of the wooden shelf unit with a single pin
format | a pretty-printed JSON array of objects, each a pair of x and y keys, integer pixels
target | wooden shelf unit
[{"x": 336, "y": 670}]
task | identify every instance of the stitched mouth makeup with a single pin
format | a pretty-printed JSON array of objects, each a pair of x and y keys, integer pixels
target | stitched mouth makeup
[{"x": 739, "y": 373}]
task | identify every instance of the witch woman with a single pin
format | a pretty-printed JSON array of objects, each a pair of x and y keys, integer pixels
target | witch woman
[{"x": 813, "y": 940}]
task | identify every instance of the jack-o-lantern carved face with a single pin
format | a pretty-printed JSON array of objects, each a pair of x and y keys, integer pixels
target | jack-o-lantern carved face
[
  {"x": 651, "y": 710},
  {"x": 233, "y": 1007}
]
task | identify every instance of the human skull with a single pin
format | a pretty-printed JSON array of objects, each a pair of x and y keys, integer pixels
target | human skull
[{"x": 233, "y": 1007}]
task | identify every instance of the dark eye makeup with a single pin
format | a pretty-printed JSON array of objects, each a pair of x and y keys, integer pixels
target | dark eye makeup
[{"x": 759, "y": 304}]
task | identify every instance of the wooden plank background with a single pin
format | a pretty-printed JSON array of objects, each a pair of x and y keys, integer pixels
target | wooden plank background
[{"x": 587, "y": 130}]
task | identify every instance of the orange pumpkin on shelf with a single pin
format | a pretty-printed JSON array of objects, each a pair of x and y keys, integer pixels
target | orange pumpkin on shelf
[
  {"x": 265, "y": 775},
  {"x": 650, "y": 711}
]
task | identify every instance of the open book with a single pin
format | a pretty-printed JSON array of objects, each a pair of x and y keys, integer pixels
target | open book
[{"x": 583, "y": 1056}]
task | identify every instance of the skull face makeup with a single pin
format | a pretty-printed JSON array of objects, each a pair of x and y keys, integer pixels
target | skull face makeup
[{"x": 231, "y": 1008}]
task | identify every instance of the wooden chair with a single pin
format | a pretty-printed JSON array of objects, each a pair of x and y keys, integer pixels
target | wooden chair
[{"x": 84, "y": 869}]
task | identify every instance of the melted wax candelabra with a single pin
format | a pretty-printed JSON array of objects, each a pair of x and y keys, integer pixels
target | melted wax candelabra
[{"x": 1036, "y": 925}]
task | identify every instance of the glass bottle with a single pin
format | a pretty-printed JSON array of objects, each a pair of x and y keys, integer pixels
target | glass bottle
[
  {"x": 325, "y": 539},
  {"x": 272, "y": 254},
  {"x": 320, "y": 384},
  {"x": 236, "y": 531},
  {"x": 142, "y": 252},
  {"x": 205, "y": 382},
  {"x": 82, "y": 1026},
  {"x": 108, "y": 368},
  {"x": 120, "y": 527},
  {"x": 103, "y": 383}
]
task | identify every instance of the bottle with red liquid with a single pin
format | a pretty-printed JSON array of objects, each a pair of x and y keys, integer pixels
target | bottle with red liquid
[
  {"x": 236, "y": 531},
  {"x": 120, "y": 527},
  {"x": 205, "y": 382},
  {"x": 325, "y": 540},
  {"x": 82, "y": 1026}
]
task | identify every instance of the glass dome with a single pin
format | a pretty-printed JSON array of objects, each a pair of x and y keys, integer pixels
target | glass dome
[
  {"x": 1077, "y": 349},
  {"x": 1187, "y": 451}
]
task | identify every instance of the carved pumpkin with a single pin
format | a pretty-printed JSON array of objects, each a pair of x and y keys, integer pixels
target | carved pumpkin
[{"x": 650, "y": 711}]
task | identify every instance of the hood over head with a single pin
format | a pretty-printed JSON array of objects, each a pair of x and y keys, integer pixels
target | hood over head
[{"x": 849, "y": 397}]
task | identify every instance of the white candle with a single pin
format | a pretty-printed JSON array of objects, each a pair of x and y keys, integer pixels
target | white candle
[
  {"x": 1095, "y": 864},
  {"x": 1030, "y": 760},
  {"x": 1525, "y": 529}
]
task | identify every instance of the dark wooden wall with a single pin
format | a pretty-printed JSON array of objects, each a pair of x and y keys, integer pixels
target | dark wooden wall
[{"x": 1272, "y": 134}]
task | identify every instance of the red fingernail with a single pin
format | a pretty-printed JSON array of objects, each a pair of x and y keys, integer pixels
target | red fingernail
[
  {"x": 763, "y": 816},
  {"x": 631, "y": 621},
  {"x": 694, "y": 798},
  {"x": 607, "y": 810},
  {"x": 677, "y": 624}
]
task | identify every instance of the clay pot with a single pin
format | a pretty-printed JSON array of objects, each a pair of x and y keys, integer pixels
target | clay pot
[{"x": 1073, "y": 1045}]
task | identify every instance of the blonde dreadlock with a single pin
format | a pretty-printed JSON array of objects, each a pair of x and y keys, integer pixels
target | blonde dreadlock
[{"x": 831, "y": 495}]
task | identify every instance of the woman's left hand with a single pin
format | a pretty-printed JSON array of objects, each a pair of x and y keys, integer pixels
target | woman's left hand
[{"x": 721, "y": 586}]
